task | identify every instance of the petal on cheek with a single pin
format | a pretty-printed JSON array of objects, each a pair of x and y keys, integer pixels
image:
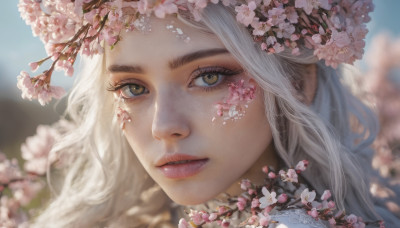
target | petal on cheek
[
  {"x": 234, "y": 106},
  {"x": 121, "y": 115}
]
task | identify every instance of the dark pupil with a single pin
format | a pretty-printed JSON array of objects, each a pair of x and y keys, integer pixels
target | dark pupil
[
  {"x": 136, "y": 89},
  {"x": 210, "y": 78}
]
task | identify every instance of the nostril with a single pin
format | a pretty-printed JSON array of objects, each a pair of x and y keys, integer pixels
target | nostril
[{"x": 176, "y": 134}]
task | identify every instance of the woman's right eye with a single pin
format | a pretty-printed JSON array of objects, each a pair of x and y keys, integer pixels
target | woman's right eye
[{"x": 132, "y": 90}]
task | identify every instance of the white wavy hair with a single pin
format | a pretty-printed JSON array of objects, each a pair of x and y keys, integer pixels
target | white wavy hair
[{"x": 105, "y": 185}]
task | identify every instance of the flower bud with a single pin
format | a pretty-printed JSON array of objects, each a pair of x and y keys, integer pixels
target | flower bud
[
  {"x": 282, "y": 198},
  {"x": 271, "y": 175}
]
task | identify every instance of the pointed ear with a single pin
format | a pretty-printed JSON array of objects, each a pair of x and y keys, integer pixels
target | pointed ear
[{"x": 310, "y": 83}]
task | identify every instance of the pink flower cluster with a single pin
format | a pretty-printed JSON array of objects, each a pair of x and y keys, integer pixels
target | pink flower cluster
[
  {"x": 240, "y": 93},
  {"x": 18, "y": 187},
  {"x": 277, "y": 194},
  {"x": 334, "y": 29},
  {"x": 36, "y": 150},
  {"x": 38, "y": 88},
  {"x": 382, "y": 82},
  {"x": 16, "y": 190}
]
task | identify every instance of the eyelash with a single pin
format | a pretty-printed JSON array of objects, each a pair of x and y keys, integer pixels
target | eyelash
[{"x": 199, "y": 72}]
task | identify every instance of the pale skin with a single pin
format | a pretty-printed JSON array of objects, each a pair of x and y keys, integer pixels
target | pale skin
[{"x": 172, "y": 104}]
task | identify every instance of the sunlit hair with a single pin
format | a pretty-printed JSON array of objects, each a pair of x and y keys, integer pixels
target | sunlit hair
[{"x": 105, "y": 185}]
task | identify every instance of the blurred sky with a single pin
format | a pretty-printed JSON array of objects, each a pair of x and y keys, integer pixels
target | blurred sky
[{"x": 18, "y": 47}]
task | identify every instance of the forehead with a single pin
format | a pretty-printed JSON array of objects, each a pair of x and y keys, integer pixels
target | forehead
[{"x": 160, "y": 44}]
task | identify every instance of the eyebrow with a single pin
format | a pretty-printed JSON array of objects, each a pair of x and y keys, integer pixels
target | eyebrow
[
  {"x": 125, "y": 69},
  {"x": 175, "y": 63},
  {"x": 185, "y": 59}
]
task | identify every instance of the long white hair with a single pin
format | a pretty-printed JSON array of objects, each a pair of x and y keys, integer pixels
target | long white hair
[{"x": 105, "y": 185}]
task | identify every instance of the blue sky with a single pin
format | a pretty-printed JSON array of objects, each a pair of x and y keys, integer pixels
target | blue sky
[{"x": 19, "y": 47}]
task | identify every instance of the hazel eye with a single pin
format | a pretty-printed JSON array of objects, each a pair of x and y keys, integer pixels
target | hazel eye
[
  {"x": 132, "y": 90},
  {"x": 208, "y": 79}
]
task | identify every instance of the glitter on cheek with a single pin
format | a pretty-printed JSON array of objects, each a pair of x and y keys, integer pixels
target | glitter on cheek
[{"x": 234, "y": 106}]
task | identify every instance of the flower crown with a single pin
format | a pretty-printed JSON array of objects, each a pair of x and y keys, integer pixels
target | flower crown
[{"x": 334, "y": 29}]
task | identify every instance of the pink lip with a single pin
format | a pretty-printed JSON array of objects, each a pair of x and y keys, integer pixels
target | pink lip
[{"x": 171, "y": 167}]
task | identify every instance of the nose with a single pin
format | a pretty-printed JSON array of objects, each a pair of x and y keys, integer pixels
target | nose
[{"x": 169, "y": 121}]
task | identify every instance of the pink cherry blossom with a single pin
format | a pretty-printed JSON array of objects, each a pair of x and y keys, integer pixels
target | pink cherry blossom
[
  {"x": 260, "y": 28},
  {"x": 268, "y": 198},
  {"x": 9, "y": 169},
  {"x": 245, "y": 13},
  {"x": 225, "y": 223},
  {"x": 291, "y": 176},
  {"x": 200, "y": 4},
  {"x": 278, "y": 47},
  {"x": 255, "y": 203},
  {"x": 183, "y": 223},
  {"x": 245, "y": 184},
  {"x": 351, "y": 219},
  {"x": 241, "y": 204},
  {"x": 276, "y": 16},
  {"x": 271, "y": 40},
  {"x": 271, "y": 175},
  {"x": 196, "y": 217},
  {"x": 317, "y": 38},
  {"x": 38, "y": 88},
  {"x": 282, "y": 198},
  {"x": 339, "y": 49},
  {"x": 263, "y": 46},
  {"x": 36, "y": 150},
  {"x": 341, "y": 39},
  {"x": 264, "y": 219},
  {"x": 213, "y": 216},
  {"x": 331, "y": 204},
  {"x": 11, "y": 216},
  {"x": 313, "y": 213},
  {"x": 326, "y": 195},
  {"x": 265, "y": 169},
  {"x": 24, "y": 191},
  {"x": 166, "y": 7},
  {"x": 285, "y": 30},
  {"x": 292, "y": 15},
  {"x": 34, "y": 66},
  {"x": 307, "y": 196},
  {"x": 251, "y": 191},
  {"x": 221, "y": 210},
  {"x": 309, "y": 5}
]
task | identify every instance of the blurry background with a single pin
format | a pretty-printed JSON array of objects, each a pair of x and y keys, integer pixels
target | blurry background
[{"x": 19, "y": 118}]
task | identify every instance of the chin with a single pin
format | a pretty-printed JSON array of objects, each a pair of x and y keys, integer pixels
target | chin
[
  {"x": 189, "y": 198},
  {"x": 189, "y": 201}
]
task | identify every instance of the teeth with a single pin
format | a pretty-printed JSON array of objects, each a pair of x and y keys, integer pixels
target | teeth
[{"x": 178, "y": 162}]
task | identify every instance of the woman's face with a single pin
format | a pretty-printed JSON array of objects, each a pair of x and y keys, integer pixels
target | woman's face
[{"x": 171, "y": 90}]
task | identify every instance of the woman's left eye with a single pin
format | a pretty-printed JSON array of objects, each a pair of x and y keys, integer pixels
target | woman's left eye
[
  {"x": 212, "y": 77},
  {"x": 208, "y": 79}
]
